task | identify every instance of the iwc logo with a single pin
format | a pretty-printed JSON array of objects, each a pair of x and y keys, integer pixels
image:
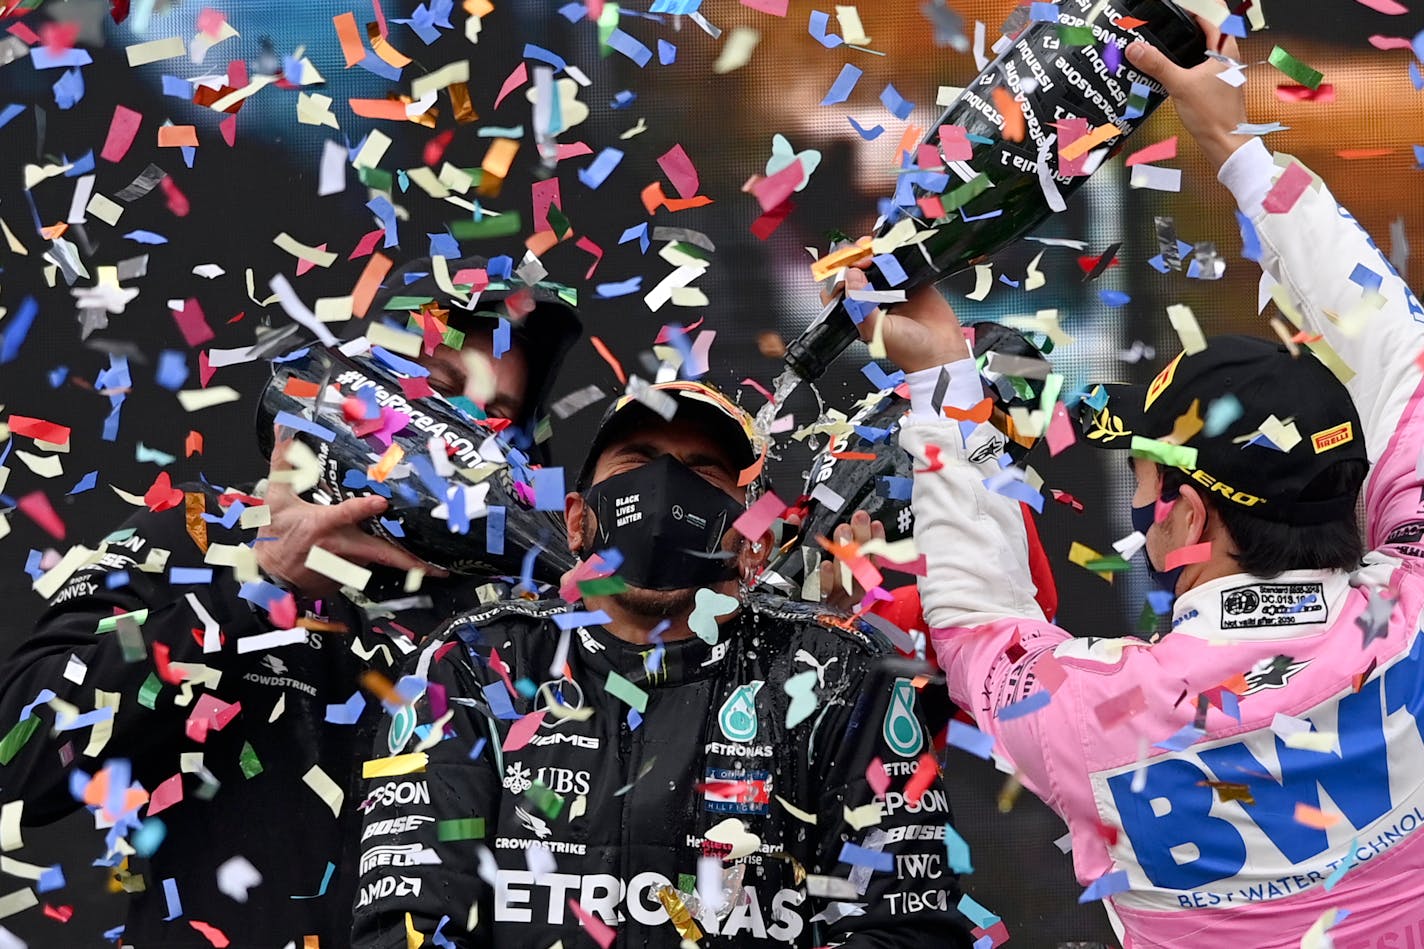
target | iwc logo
[
  {"x": 902, "y": 729},
  {"x": 738, "y": 717}
]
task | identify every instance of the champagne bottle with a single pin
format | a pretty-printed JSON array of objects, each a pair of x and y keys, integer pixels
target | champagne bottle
[
  {"x": 1051, "y": 81},
  {"x": 418, "y": 518}
]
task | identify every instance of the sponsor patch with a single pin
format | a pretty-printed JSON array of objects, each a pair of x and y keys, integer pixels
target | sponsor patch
[
  {"x": 901, "y": 729},
  {"x": 1273, "y": 604},
  {"x": 1163, "y": 380},
  {"x": 738, "y": 716},
  {"x": 726, "y": 791},
  {"x": 1341, "y": 434},
  {"x": 1273, "y": 673}
]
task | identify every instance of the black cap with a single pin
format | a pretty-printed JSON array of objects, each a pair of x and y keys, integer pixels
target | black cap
[
  {"x": 718, "y": 417},
  {"x": 1240, "y": 463}
]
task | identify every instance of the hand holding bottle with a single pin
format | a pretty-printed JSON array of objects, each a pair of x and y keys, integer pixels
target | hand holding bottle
[{"x": 921, "y": 333}]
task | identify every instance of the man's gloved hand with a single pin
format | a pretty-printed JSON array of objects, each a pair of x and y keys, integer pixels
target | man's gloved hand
[
  {"x": 298, "y": 526},
  {"x": 1210, "y": 108}
]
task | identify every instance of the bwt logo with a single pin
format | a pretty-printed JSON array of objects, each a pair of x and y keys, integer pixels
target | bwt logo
[{"x": 1184, "y": 838}]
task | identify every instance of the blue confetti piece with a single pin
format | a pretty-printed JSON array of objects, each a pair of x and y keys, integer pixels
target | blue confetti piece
[
  {"x": 1222, "y": 411},
  {"x": 871, "y": 434},
  {"x": 980, "y": 217},
  {"x": 32, "y": 564},
  {"x": 1161, "y": 601},
  {"x": 573, "y": 12},
  {"x": 667, "y": 53},
  {"x": 180, "y": 576},
  {"x": 985, "y": 941},
  {"x": 382, "y": 208},
  {"x": 602, "y": 166},
  {"x": 43, "y": 696},
  {"x": 890, "y": 268},
  {"x": 500, "y": 267},
  {"x": 494, "y": 529},
  {"x": 608, "y": 291},
  {"x": 1043, "y": 12},
  {"x": 819, "y": 26},
  {"x": 630, "y": 46},
  {"x": 52, "y": 878},
  {"x": 1004, "y": 279},
  {"x": 675, "y": 6},
  {"x": 858, "y": 856},
  {"x": 1159, "y": 264},
  {"x": 1366, "y": 278},
  {"x": 581, "y": 618},
  {"x": 1419, "y": 155},
  {"x": 1137, "y": 99},
  {"x": 42, "y": 57},
  {"x": 1183, "y": 739},
  {"x": 1114, "y": 298},
  {"x": 325, "y": 882},
  {"x": 375, "y": 64},
  {"x": 869, "y": 134},
  {"x": 478, "y": 748},
  {"x": 623, "y": 99},
  {"x": 639, "y": 233},
  {"x": 149, "y": 837},
  {"x": 444, "y": 245},
  {"x": 1234, "y": 25},
  {"x": 288, "y": 420},
  {"x": 897, "y": 489},
  {"x": 1034, "y": 703},
  {"x": 896, "y": 103},
  {"x": 1415, "y": 76},
  {"x": 841, "y": 89},
  {"x": 172, "y": 370},
  {"x": 8, "y": 113},
  {"x": 13, "y": 333},
  {"x": 970, "y": 739},
  {"x": 68, "y": 89},
  {"x": 880, "y": 378},
  {"x": 1016, "y": 489},
  {"x": 58, "y": 376},
  {"x": 399, "y": 363},
  {"x": 116, "y": 579},
  {"x": 548, "y": 485},
  {"x": 1105, "y": 886},
  {"x": 501, "y": 706},
  {"x": 146, "y": 237},
  {"x": 347, "y": 712},
  {"x": 1338, "y": 874},
  {"x": 1231, "y": 704},
  {"x": 457, "y": 515},
  {"x": 957, "y": 851},
  {"x": 86, "y": 483},
  {"x": 543, "y": 55},
  {"x": 81, "y": 166},
  {"x": 170, "y": 893},
  {"x": 1417, "y": 43},
  {"x": 976, "y": 913}
]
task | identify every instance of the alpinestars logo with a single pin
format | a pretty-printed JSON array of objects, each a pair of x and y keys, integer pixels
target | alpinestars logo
[{"x": 1272, "y": 674}]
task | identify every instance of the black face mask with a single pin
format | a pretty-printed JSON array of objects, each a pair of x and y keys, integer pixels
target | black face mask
[{"x": 665, "y": 519}]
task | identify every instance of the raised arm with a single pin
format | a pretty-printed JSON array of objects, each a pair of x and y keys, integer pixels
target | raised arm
[{"x": 1335, "y": 278}]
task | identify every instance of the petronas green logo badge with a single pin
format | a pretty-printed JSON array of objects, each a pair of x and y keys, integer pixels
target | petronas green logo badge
[
  {"x": 402, "y": 727},
  {"x": 738, "y": 717},
  {"x": 902, "y": 729}
]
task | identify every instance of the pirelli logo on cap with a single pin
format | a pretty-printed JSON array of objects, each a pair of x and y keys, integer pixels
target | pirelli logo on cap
[
  {"x": 1341, "y": 434},
  {"x": 1163, "y": 380}
]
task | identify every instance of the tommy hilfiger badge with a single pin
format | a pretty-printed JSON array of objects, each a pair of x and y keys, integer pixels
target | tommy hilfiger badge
[{"x": 1273, "y": 604}]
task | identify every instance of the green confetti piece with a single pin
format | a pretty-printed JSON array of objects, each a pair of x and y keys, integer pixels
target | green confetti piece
[
  {"x": 1075, "y": 35},
  {"x": 131, "y": 644},
  {"x": 602, "y": 586},
  {"x": 461, "y": 828},
  {"x": 1173, "y": 456},
  {"x": 109, "y": 623},
  {"x": 686, "y": 883},
  {"x": 546, "y": 800},
  {"x": 148, "y": 692},
  {"x": 15, "y": 739},
  {"x": 558, "y": 221},
  {"x": 1112, "y": 564},
  {"x": 607, "y": 23},
  {"x": 1147, "y": 619},
  {"x": 1297, "y": 70},
  {"x": 377, "y": 178},
  {"x": 251, "y": 766},
  {"x": 543, "y": 430},
  {"x": 507, "y": 224},
  {"x": 621, "y": 688},
  {"x": 407, "y": 302},
  {"x": 119, "y": 536},
  {"x": 966, "y": 192}
]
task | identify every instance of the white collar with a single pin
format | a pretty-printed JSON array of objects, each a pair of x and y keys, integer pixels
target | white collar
[{"x": 1243, "y": 608}]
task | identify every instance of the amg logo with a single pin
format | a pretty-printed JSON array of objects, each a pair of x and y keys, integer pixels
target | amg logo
[{"x": 559, "y": 738}]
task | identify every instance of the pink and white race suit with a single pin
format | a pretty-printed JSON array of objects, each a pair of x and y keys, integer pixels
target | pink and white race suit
[{"x": 1305, "y": 793}]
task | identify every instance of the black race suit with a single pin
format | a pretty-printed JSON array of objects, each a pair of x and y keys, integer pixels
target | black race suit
[{"x": 603, "y": 811}]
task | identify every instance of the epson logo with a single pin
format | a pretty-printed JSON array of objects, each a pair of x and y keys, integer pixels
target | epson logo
[
  {"x": 396, "y": 792},
  {"x": 388, "y": 886}
]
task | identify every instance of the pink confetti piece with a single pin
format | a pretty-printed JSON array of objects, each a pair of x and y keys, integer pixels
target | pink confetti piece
[
  {"x": 676, "y": 164},
  {"x": 1162, "y": 151},
  {"x": 37, "y": 508},
  {"x": 1387, "y": 7},
  {"x": 755, "y": 520},
  {"x": 523, "y": 730},
  {"x": 1182, "y": 556},
  {"x": 1389, "y": 42},
  {"x": 210, "y": 932},
  {"x": 773, "y": 191},
  {"x": 954, "y": 143},
  {"x": 167, "y": 794},
  {"x": 1070, "y": 131},
  {"x": 572, "y": 150},
  {"x": 877, "y": 777},
  {"x": 545, "y": 195},
  {"x": 516, "y": 79},
  {"x": 1119, "y": 708},
  {"x": 1287, "y": 190},
  {"x": 122, "y": 129},
  {"x": 774, "y": 7},
  {"x": 598, "y": 930},
  {"x": 585, "y": 244},
  {"x": 1062, "y": 433}
]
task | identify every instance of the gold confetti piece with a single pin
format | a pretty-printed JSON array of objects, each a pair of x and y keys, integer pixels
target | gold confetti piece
[
  {"x": 1185, "y": 323},
  {"x": 338, "y": 568},
  {"x": 1009, "y": 793},
  {"x": 383, "y": 468},
  {"x": 194, "y": 400},
  {"x": 1226, "y": 791},
  {"x": 838, "y": 260},
  {"x": 326, "y": 789},
  {"x": 737, "y": 50},
  {"x": 805, "y": 817},
  {"x": 397, "y": 765},
  {"x": 195, "y": 505},
  {"x": 678, "y": 913},
  {"x": 141, "y": 54},
  {"x": 382, "y": 48}
]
